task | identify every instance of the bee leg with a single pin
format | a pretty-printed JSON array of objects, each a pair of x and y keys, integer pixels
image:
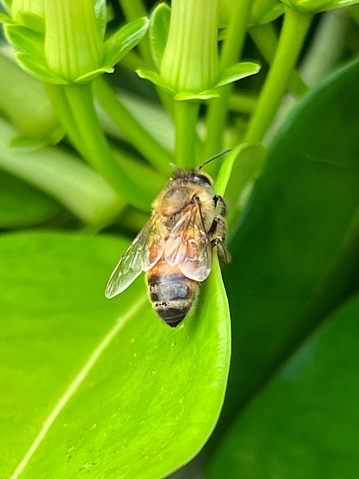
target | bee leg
[
  {"x": 219, "y": 201},
  {"x": 217, "y": 233},
  {"x": 223, "y": 253}
]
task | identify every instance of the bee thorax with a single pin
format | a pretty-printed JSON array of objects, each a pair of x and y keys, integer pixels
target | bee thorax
[{"x": 174, "y": 201}]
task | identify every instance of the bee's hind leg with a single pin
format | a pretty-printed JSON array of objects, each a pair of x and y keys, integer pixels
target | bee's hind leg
[
  {"x": 221, "y": 204},
  {"x": 217, "y": 234}
]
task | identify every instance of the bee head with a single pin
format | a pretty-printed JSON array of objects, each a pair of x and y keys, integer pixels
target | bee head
[
  {"x": 196, "y": 175},
  {"x": 193, "y": 176}
]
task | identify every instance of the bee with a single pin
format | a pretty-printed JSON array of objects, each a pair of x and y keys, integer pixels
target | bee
[{"x": 174, "y": 248}]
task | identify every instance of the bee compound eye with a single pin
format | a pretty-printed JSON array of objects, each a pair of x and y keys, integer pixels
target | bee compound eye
[{"x": 201, "y": 179}]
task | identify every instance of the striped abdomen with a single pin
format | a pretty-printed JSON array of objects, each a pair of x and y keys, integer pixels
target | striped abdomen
[{"x": 172, "y": 294}]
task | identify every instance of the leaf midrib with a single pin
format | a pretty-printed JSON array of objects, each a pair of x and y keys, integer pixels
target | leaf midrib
[{"x": 76, "y": 383}]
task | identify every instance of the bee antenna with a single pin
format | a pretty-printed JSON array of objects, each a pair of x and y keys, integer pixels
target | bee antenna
[{"x": 214, "y": 157}]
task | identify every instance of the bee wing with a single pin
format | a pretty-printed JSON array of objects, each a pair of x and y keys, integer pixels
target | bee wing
[
  {"x": 145, "y": 250},
  {"x": 189, "y": 246}
]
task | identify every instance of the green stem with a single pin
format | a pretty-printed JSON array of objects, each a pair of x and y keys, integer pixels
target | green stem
[
  {"x": 265, "y": 38},
  {"x": 186, "y": 114},
  {"x": 135, "y": 9},
  {"x": 74, "y": 105},
  {"x": 231, "y": 51},
  {"x": 293, "y": 34},
  {"x": 132, "y": 62},
  {"x": 153, "y": 151},
  {"x": 326, "y": 48},
  {"x": 242, "y": 103}
]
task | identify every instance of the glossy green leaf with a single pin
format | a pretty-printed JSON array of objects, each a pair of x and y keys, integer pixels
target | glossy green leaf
[
  {"x": 237, "y": 72},
  {"x": 21, "y": 205},
  {"x": 159, "y": 27},
  {"x": 95, "y": 386},
  {"x": 306, "y": 422},
  {"x": 126, "y": 38},
  {"x": 299, "y": 225}
]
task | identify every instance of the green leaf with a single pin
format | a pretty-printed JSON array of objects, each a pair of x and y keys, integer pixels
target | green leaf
[
  {"x": 193, "y": 96},
  {"x": 38, "y": 69},
  {"x": 5, "y": 19},
  {"x": 265, "y": 11},
  {"x": 101, "y": 16},
  {"x": 31, "y": 21},
  {"x": 110, "y": 389},
  {"x": 26, "y": 40},
  {"x": 237, "y": 72},
  {"x": 21, "y": 205},
  {"x": 159, "y": 27},
  {"x": 124, "y": 40},
  {"x": 306, "y": 422},
  {"x": 29, "y": 52},
  {"x": 51, "y": 137},
  {"x": 156, "y": 79},
  {"x": 299, "y": 224},
  {"x": 91, "y": 75},
  {"x": 316, "y": 6}
]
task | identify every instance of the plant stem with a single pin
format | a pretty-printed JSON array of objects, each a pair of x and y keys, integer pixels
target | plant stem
[
  {"x": 242, "y": 103},
  {"x": 327, "y": 46},
  {"x": 231, "y": 51},
  {"x": 186, "y": 113},
  {"x": 265, "y": 38},
  {"x": 135, "y": 9},
  {"x": 74, "y": 105},
  {"x": 153, "y": 151},
  {"x": 294, "y": 30}
]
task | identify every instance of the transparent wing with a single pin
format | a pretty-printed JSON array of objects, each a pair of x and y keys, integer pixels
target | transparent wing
[
  {"x": 189, "y": 246},
  {"x": 145, "y": 250}
]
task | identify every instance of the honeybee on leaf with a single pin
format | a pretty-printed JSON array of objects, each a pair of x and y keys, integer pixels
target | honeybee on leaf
[{"x": 175, "y": 246}]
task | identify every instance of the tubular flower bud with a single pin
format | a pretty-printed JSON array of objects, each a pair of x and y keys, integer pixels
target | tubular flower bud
[
  {"x": 62, "y": 41},
  {"x": 185, "y": 49}
]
